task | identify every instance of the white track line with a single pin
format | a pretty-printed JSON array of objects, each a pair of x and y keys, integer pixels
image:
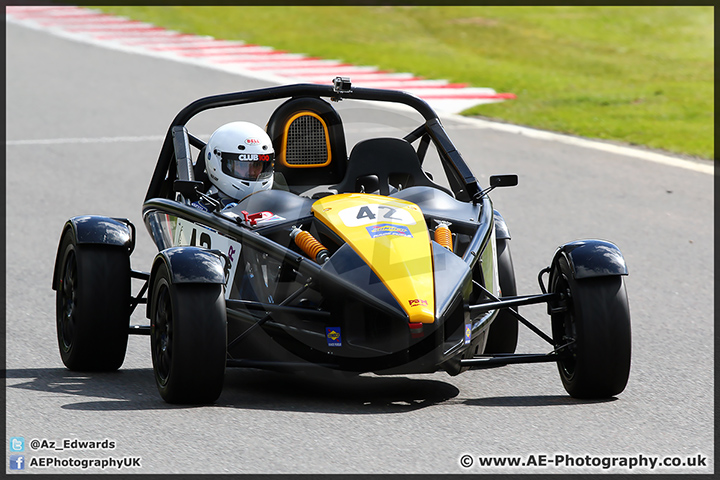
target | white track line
[
  {"x": 65, "y": 141},
  {"x": 264, "y": 63},
  {"x": 702, "y": 166}
]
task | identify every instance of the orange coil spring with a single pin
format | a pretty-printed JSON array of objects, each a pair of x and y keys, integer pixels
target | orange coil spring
[
  {"x": 309, "y": 245},
  {"x": 443, "y": 236}
]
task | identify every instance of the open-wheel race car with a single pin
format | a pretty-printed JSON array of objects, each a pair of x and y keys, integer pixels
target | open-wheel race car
[{"x": 355, "y": 263}]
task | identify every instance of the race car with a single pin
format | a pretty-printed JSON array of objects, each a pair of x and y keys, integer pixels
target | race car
[{"x": 377, "y": 261}]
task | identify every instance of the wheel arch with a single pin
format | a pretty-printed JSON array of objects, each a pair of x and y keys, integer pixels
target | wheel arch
[
  {"x": 96, "y": 230},
  {"x": 189, "y": 265},
  {"x": 501, "y": 229},
  {"x": 591, "y": 258}
]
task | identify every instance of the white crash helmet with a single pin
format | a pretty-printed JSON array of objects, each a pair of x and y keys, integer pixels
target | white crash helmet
[{"x": 240, "y": 159}]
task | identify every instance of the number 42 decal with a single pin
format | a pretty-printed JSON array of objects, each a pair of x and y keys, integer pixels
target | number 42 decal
[
  {"x": 365, "y": 212},
  {"x": 373, "y": 213}
]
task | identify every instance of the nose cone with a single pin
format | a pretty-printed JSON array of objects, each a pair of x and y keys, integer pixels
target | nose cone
[{"x": 390, "y": 235}]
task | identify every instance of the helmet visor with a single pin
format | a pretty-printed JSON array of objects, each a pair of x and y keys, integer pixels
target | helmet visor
[{"x": 248, "y": 166}]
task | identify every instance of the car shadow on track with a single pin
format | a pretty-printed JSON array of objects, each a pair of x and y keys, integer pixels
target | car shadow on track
[
  {"x": 126, "y": 389},
  {"x": 330, "y": 393},
  {"x": 533, "y": 401},
  {"x": 134, "y": 389}
]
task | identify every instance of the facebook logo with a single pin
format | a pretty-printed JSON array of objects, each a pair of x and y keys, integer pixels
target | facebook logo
[
  {"x": 17, "y": 444},
  {"x": 17, "y": 462}
]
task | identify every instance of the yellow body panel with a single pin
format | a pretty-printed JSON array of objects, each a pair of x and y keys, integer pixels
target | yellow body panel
[{"x": 390, "y": 235}]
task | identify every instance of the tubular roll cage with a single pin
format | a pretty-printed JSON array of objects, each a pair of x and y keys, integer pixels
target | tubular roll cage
[
  {"x": 170, "y": 176},
  {"x": 462, "y": 179}
]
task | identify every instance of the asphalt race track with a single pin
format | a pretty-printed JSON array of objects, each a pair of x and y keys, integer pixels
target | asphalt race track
[{"x": 84, "y": 127}]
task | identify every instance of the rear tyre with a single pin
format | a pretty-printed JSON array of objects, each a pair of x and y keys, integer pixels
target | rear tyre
[
  {"x": 503, "y": 334},
  {"x": 596, "y": 321},
  {"x": 92, "y": 304},
  {"x": 188, "y": 339}
]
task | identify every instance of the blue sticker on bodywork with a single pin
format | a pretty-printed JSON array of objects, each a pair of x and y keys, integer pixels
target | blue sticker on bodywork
[
  {"x": 332, "y": 335},
  {"x": 200, "y": 206},
  {"x": 384, "y": 229}
]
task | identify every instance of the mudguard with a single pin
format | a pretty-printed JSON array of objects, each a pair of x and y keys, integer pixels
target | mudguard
[
  {"x": 98, "y": 230},
  {"x": 191, "y": 265},
  {"x": 502, "y": 232},
  {"x": 592, "y": 258},
  {"x": 95, "y": 229}
]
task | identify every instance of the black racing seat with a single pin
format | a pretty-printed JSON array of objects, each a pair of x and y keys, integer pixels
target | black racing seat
[
  {"x": 379, "y": 163},
  {"x": 309, "y": 142}
]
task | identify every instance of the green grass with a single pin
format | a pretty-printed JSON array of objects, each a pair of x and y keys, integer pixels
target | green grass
[{"x": 640, "y": 75}]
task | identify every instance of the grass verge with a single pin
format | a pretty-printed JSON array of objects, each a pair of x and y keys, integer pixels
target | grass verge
[{"x": 640, "y": 75}]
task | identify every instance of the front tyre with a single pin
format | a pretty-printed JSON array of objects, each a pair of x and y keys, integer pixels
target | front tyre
[
  {"x": 593, "y": 319},
  {"x": 188, "y": 339},
  {"x": 92, "y": 304}
]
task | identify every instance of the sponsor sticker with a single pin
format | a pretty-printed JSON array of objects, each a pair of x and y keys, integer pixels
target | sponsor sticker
[
  {"x": 333, "y": 337},
  {"x": 468, "y": 333},
  {"x": 246, "y": 157},
  {"x": 418, "y": 302},
  {"x": 200, "y": 206},
  {"x": 384, "y": 229},
  {"x": 270, "y": 218}
]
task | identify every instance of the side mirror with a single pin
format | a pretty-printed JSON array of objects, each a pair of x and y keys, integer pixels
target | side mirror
[
  {"x": 503, "y": 180},
  {"x": 497, "y": 181}
]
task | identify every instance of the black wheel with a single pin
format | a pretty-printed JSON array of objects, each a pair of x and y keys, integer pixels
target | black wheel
[
  {"x": 503, "y": 334},
  {"x": 93, "y": 304},
  {"x": 595, "y": 321},
  {"x": 188, "y": 339}
]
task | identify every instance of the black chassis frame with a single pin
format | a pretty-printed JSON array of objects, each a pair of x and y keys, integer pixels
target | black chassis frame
[{"x": 174, "y": 174}]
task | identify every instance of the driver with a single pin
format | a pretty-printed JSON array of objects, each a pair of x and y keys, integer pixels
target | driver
[{"x": 239, "y": 159}]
